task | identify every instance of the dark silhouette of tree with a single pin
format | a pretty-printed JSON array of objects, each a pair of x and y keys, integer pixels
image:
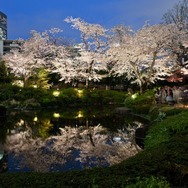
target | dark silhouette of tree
[
  {"x": 4, "y": 75},
  {"x": 177, "y": 15}
]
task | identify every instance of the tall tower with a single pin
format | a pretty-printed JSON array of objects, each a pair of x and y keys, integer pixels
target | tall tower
[
  {"x": 3, "y": 26},
  {"x": 5, "y": 45}
]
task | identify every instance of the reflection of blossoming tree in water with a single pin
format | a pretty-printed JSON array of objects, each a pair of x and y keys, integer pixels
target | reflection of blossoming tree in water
[{"x": 91, "y": 143}]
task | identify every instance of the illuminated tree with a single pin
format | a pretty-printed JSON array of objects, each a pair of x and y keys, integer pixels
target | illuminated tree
[
  {"x": 178, "y": 16},
  {"x": 4, "y": 74},
  {"x": 35, "y": 53},
  {"x": 90, "y": 59},
  {"x": 142, "y": 55},
  {"x": 23, "y": 66},
  {"x": 40, "y": 79}
]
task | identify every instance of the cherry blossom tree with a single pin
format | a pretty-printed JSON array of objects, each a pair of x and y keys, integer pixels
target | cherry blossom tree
[
  {"x": 178, "y": 17},
  {"x": 21, "y": 65},
  {"x": 64, "y": 65},
  {"x": 142, "y": 55},
  {"x": 35, "y": 53},
  {"x": 90, "y": 60},
  {"x": 179, "y": 45}
]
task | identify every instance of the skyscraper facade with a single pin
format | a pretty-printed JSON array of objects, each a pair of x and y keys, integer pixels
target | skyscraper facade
[{"x": 3, "y": 26}]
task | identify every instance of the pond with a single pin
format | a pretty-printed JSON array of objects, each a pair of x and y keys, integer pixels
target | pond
[{"x": 66, "y": 139}]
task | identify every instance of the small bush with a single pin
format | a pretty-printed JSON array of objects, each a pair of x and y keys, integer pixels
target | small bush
[
  {"x": 115, "y": 97},
  {"x": 68, "y": 96},
  {"x": 150, "y": 182},
  {"x": 140, "y": 103},
  {"x": 136, "y": 99},
  {"x": 103, "y": 97},
  {"x": 7, "y": 91}
]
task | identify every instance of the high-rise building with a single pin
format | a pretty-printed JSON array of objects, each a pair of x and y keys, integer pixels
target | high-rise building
[
  {"x": 3, "y": 26},
  {"x": 5, "y": 44}
]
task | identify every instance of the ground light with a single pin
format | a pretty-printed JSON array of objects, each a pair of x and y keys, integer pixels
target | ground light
[
  {"x": 56, "y": 115},
  {"x": 80, "y": 114},
  {"x": 35, "y": 119},
  {"x": 134, "y": 96},
  {"x": 56, "y": 93},
  {"x": 80, "y": 92}
]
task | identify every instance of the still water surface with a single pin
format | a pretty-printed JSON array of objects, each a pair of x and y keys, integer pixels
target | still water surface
[{"x": 66, "y": 139}]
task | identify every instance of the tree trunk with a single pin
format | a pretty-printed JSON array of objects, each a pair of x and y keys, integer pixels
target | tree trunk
[
  {"x": 87, "y": 83},
  {"x": 25, "y": 80},
  {"x": 148, "y": 80},
  {"x": 141, "y": 88}
]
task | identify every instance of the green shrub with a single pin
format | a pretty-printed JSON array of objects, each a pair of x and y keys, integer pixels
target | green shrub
[
  {"x": 33, "y": 93},
  {"x": 136, "y": 99},
  {"x": 163, "y": 131},
  {"x": 116, "y": 97},
  {"x": 68, "y": 96},
  {"x": 140, "y": 103},
  {"x": 91, "y": 97},
  {"x": 153, "y": 182},
  {"x": 8, "y": 91},
  {"x": 103, "y": 97},
  {"x": 170, "y": 110}
]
